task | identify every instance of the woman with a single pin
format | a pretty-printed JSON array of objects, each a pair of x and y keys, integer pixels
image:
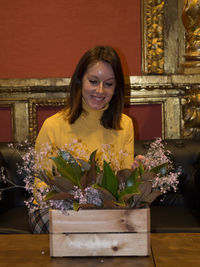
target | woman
[{"x": 94, "y": 111}]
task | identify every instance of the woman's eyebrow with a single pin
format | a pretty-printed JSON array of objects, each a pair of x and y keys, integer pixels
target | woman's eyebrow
[{"x": 96, "y": 77}]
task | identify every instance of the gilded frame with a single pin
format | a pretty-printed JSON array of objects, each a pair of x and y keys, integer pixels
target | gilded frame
[{"x": 152, "y": 21}]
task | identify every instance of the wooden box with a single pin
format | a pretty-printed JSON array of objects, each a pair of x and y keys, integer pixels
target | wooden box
[{"x": 114, "y": 232}]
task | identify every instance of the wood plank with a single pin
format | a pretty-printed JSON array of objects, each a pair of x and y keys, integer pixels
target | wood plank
[
  {"x": 88, "y": 221},
  {"x": 122, "y": 244}
]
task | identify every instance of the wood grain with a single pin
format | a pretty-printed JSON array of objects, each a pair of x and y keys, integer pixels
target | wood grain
[
  {"x": 176, "y": 249},
  {"x": 100, "y": 233},
  {"x": 122, "y": 244},
  {"x": 33, "y": 251},
  {"x": 92, "y": 221}
]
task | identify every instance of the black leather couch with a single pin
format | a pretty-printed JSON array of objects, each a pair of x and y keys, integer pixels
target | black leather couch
[
  {"x": 177, "y": 212},
  {"x": 13, "y": 213}
]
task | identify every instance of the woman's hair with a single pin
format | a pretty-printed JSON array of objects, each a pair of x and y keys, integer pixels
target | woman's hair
[{"x": 112, "y": 115}]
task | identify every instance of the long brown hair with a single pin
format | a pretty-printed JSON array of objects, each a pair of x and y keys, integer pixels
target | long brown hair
[{"x": 112, "y": 115}]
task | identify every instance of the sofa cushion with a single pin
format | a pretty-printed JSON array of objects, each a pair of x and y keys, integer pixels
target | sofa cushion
[
  {"x": 197, "y": 182},
  {"x": 11, "y": 158},
  {"x": 3, "y": 197},
  {"x": 173, "y": 219},
  {"x": 15, "y": 221}
]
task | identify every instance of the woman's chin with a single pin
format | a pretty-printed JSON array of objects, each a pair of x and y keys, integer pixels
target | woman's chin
[{"x": 96, "y": 105}]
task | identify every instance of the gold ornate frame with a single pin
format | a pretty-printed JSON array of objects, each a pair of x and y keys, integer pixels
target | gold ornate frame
[{"x": 153, "y": 36}]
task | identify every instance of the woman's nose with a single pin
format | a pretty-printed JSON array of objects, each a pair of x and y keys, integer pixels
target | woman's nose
[{"x": 100, "y": 88}]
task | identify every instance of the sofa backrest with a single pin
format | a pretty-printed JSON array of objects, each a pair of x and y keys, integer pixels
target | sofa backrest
[
  {"x": 11, "y": 158},
  {"x": 185, "y": 153}
]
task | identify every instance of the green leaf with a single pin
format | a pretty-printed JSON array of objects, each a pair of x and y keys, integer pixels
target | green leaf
[
  {"x": 109, "y": 204},
  {"x": 70, "y": 171},
  {"x": 45, "y": 176},
  {"x": 162, "y": 169},
  {"x": 88, "y": 206},
  {"x": 65, "y": 155},
  {"x": 93, "y": 161},
  {"x": 151, "y": 197},
  {"x": 62, "y": 183},
  {"x": 109, "y": 181},
  {"x": 148, "y": 176},
  {"x": 92, "y": 157},
  {"x": 84, "y": 164},
  {"x": 69, "y": 159},
  {"x": 50, "y": 194},
  {"x": 89, "y": 176},
  {"x": 135, "y": 175},
  {"x": 106, "y": 195},
  {"x": 123, "y": 175},
  {"x": 77, "y": 172},
  {"x": 76, "y": 206},
  {"x": 99, "y": 178},
  {"x": 145, "y": 189},
  {"x": 120, "y": 203},
  {"x": 59, "y": 196},
  {"x": 141, "y": 169},
  {"x": 128, "y": 192}
]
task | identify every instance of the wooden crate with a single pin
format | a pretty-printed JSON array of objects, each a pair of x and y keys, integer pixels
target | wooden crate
[{"x": 115, "y": 232}]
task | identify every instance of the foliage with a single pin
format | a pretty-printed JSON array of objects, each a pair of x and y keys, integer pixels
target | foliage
[{"x": 77, "y": 183}]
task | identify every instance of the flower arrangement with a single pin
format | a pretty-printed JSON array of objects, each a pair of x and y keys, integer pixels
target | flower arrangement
[{"x": 86, "y": 182}]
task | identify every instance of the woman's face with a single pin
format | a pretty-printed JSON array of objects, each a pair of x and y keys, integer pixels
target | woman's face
[{"x": 98, "y": 85}]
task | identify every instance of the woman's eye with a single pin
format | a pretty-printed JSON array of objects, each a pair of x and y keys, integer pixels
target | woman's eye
[
  {"x": 109, "y": 84},
  {"x": 93, "y": 82}
]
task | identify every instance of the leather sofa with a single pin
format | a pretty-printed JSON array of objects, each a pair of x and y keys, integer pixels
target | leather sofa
[
  {"x": 13, "y": 213},
  {"x": 177, "y": 212}
]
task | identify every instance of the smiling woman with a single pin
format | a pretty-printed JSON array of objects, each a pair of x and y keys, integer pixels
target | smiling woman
[
  {"x": 93, "y": 116},
  {"x": 98, "y": 85}
]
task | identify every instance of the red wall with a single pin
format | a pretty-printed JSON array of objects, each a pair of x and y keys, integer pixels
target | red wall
[
  {"x": 147, "y": 120},
  {"x": 46, "y": 38},
  {"x": 6, "y": 124}
]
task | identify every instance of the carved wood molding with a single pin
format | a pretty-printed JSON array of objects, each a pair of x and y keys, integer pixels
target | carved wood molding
[
  {"x": 153, "y": 36},
  {"x": 191, "y": 112},
  {"x": 34, "y": 89}
]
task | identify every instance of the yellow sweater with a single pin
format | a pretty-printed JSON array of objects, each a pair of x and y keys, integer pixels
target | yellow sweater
[{"x": 57, "y": 131}]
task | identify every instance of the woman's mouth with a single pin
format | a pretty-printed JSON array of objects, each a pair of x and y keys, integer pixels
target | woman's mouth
[{"x": 97, "y": 98}]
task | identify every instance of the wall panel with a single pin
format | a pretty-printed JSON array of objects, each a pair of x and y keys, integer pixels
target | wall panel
[
  {"x": 45, "y": 112},
  {"x": 6, "y": 124},
  {"x": 144, "y": 118}
]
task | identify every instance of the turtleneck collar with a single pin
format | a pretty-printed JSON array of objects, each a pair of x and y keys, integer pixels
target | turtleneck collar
[{"x": 89, "y": 110}]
